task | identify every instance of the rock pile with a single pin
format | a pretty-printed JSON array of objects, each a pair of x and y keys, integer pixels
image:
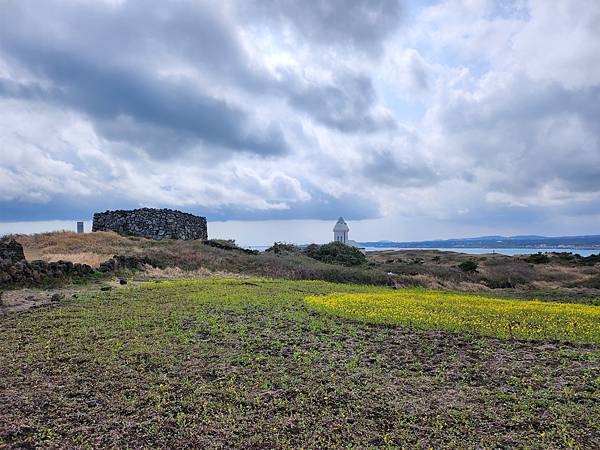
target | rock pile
[
  {"x": 11, "y": 250},
  {"x": 152, "y": 223},
  {"x": 16, "y": 271}
]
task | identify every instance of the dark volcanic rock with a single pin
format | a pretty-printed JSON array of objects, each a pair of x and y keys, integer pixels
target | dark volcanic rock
[
  {"x": 152, "y": 223},
  {"x": 16, "y": 271},
  {"x": 11, "y": 250}
]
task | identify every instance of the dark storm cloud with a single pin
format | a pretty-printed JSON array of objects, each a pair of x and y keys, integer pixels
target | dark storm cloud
[
  {"x": 105, "y": 94},
  {"x": 346, "y": 105},
  {"x": 384, "y": 168},
  {"x": 63, "y": 207},
  {"x": 322, "y": 206},
  {"x": 358, "y": 24},
  {"x": 107, "y": 89},
  {"x": 105, "y": 60}
]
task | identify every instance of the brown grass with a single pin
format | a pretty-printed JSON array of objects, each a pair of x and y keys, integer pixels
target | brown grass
[
  {"x": 86, "y": 248},
  {"x": 67, "y": 242},
  {"x": 175, "y": 273},
  {"x": 91, "y": 259}
]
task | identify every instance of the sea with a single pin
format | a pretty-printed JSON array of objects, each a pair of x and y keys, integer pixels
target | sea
[
  {"x": 501, "y": 251},
  {"x": 473, "y": 251}
]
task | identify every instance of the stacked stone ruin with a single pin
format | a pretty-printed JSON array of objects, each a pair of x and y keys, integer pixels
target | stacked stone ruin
[
  {"x": 152, "y": 223},
  {"x": 15, "y": 270}
]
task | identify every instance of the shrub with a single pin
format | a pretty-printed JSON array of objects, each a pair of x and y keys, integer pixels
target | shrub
[
  {"x": 538, "y": 258},
  {"x": 589, "y": 260},
  {"x": 336, "y": 253},
  {"x": 228, "y": 244},
  {"x": 468, "y": 266},
  {"x": 283, "y": 247}
]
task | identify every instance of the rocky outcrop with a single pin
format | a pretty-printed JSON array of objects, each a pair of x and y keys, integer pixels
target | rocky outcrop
[
  {"x": 11, "y": 250},
  {"x": 40, "y": 272},
  {"x": 16, "y": 271},
  {"x": 152, "y": 223}
]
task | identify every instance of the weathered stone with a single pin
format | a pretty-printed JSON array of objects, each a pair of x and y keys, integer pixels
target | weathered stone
[
  {"x": 22, "y": 272},
  {"x": 11, "y": 250},
  {"x": 152, "y": 223}
]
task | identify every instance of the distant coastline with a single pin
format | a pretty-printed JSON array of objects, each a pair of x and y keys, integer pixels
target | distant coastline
[{"x": 542, "y": 243}]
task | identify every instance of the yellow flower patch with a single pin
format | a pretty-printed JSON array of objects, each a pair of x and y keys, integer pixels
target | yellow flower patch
[{"x": 435, "y": 310}]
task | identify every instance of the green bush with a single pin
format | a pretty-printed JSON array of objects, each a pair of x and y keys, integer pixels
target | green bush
[
  {"x": 283, "y": 247},
  {"x": 589, "y": 260},
  {"x": 336, "y": 253},
  {"x": 468, "y": 266},
  {"x": 538, "y": 258}
]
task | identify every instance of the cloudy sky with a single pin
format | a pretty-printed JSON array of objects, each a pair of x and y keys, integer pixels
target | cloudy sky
[{"x": 413, "y": 120}]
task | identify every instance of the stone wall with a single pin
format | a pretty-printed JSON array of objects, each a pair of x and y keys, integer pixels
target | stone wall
[
  {"x": 15, "y": 270},
  {"x": 152, "y": 223}
]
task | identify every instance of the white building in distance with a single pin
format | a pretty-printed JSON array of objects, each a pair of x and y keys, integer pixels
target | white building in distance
[{"x": 340, "y": 231}]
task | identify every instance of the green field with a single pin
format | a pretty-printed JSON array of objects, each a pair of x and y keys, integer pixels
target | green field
[{"x": 250, "y": 363}]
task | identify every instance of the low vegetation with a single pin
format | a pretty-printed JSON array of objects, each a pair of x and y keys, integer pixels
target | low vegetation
[
  {"x": 565, "y": 276},
  {"x": 468, "y": 266},
  {"x": 336, "y": 253},
  {"x": 435, "y": 310},
  {"x": 538, "y": 258},
  {"x": 213, "y": 255},
  {"x": 283, "y": 248},
  {"x": 247, "y": 363},
  {"x": 228, "y": 244}
]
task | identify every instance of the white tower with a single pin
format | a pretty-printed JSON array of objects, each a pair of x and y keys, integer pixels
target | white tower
[{"x": 340, "y": 231}]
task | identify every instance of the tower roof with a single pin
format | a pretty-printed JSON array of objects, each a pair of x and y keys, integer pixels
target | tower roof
[{"x": 341, "y": 225}]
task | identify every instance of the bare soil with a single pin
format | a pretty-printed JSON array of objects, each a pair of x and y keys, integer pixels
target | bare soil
[{"x": 244, "y": 364}]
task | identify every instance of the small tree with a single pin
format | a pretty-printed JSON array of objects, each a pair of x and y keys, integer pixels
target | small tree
[
  {"x": 538, "y": 258},
  {"x": 468, "y": 266}
]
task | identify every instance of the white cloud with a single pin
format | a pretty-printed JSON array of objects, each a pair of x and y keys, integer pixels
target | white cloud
[{"x": 472, "y": 109}]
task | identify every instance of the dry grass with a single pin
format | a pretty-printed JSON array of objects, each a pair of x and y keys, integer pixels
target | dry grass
[
  {"x": 175, "y": 273},
  {"x": 69, "y": 243},
  {"x": 91, "y": 259},
  {"x": 86, "y": 248}
]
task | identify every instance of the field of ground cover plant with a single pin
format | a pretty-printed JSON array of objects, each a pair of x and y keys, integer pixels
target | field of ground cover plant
[
  {"x": 249, "y": 363},
  {"x": 468, "y": 313}
]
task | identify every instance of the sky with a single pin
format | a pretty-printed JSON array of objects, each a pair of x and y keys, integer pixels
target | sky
[{"x": 272, "y": 118}]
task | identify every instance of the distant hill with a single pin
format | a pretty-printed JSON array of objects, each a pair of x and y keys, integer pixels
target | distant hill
[{"x": 575, "y": 242}]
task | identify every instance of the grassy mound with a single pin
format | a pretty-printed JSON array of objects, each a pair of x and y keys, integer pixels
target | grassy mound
[
  {"x": 449, "y": 311},
  {"x": 214, "y": 255},
  {"x": 243, "y": 363}
]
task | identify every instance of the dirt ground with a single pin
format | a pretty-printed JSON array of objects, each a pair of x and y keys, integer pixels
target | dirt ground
[
  {"x": 21, "y": 300},
  {"x": 244, "y": 364}
]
